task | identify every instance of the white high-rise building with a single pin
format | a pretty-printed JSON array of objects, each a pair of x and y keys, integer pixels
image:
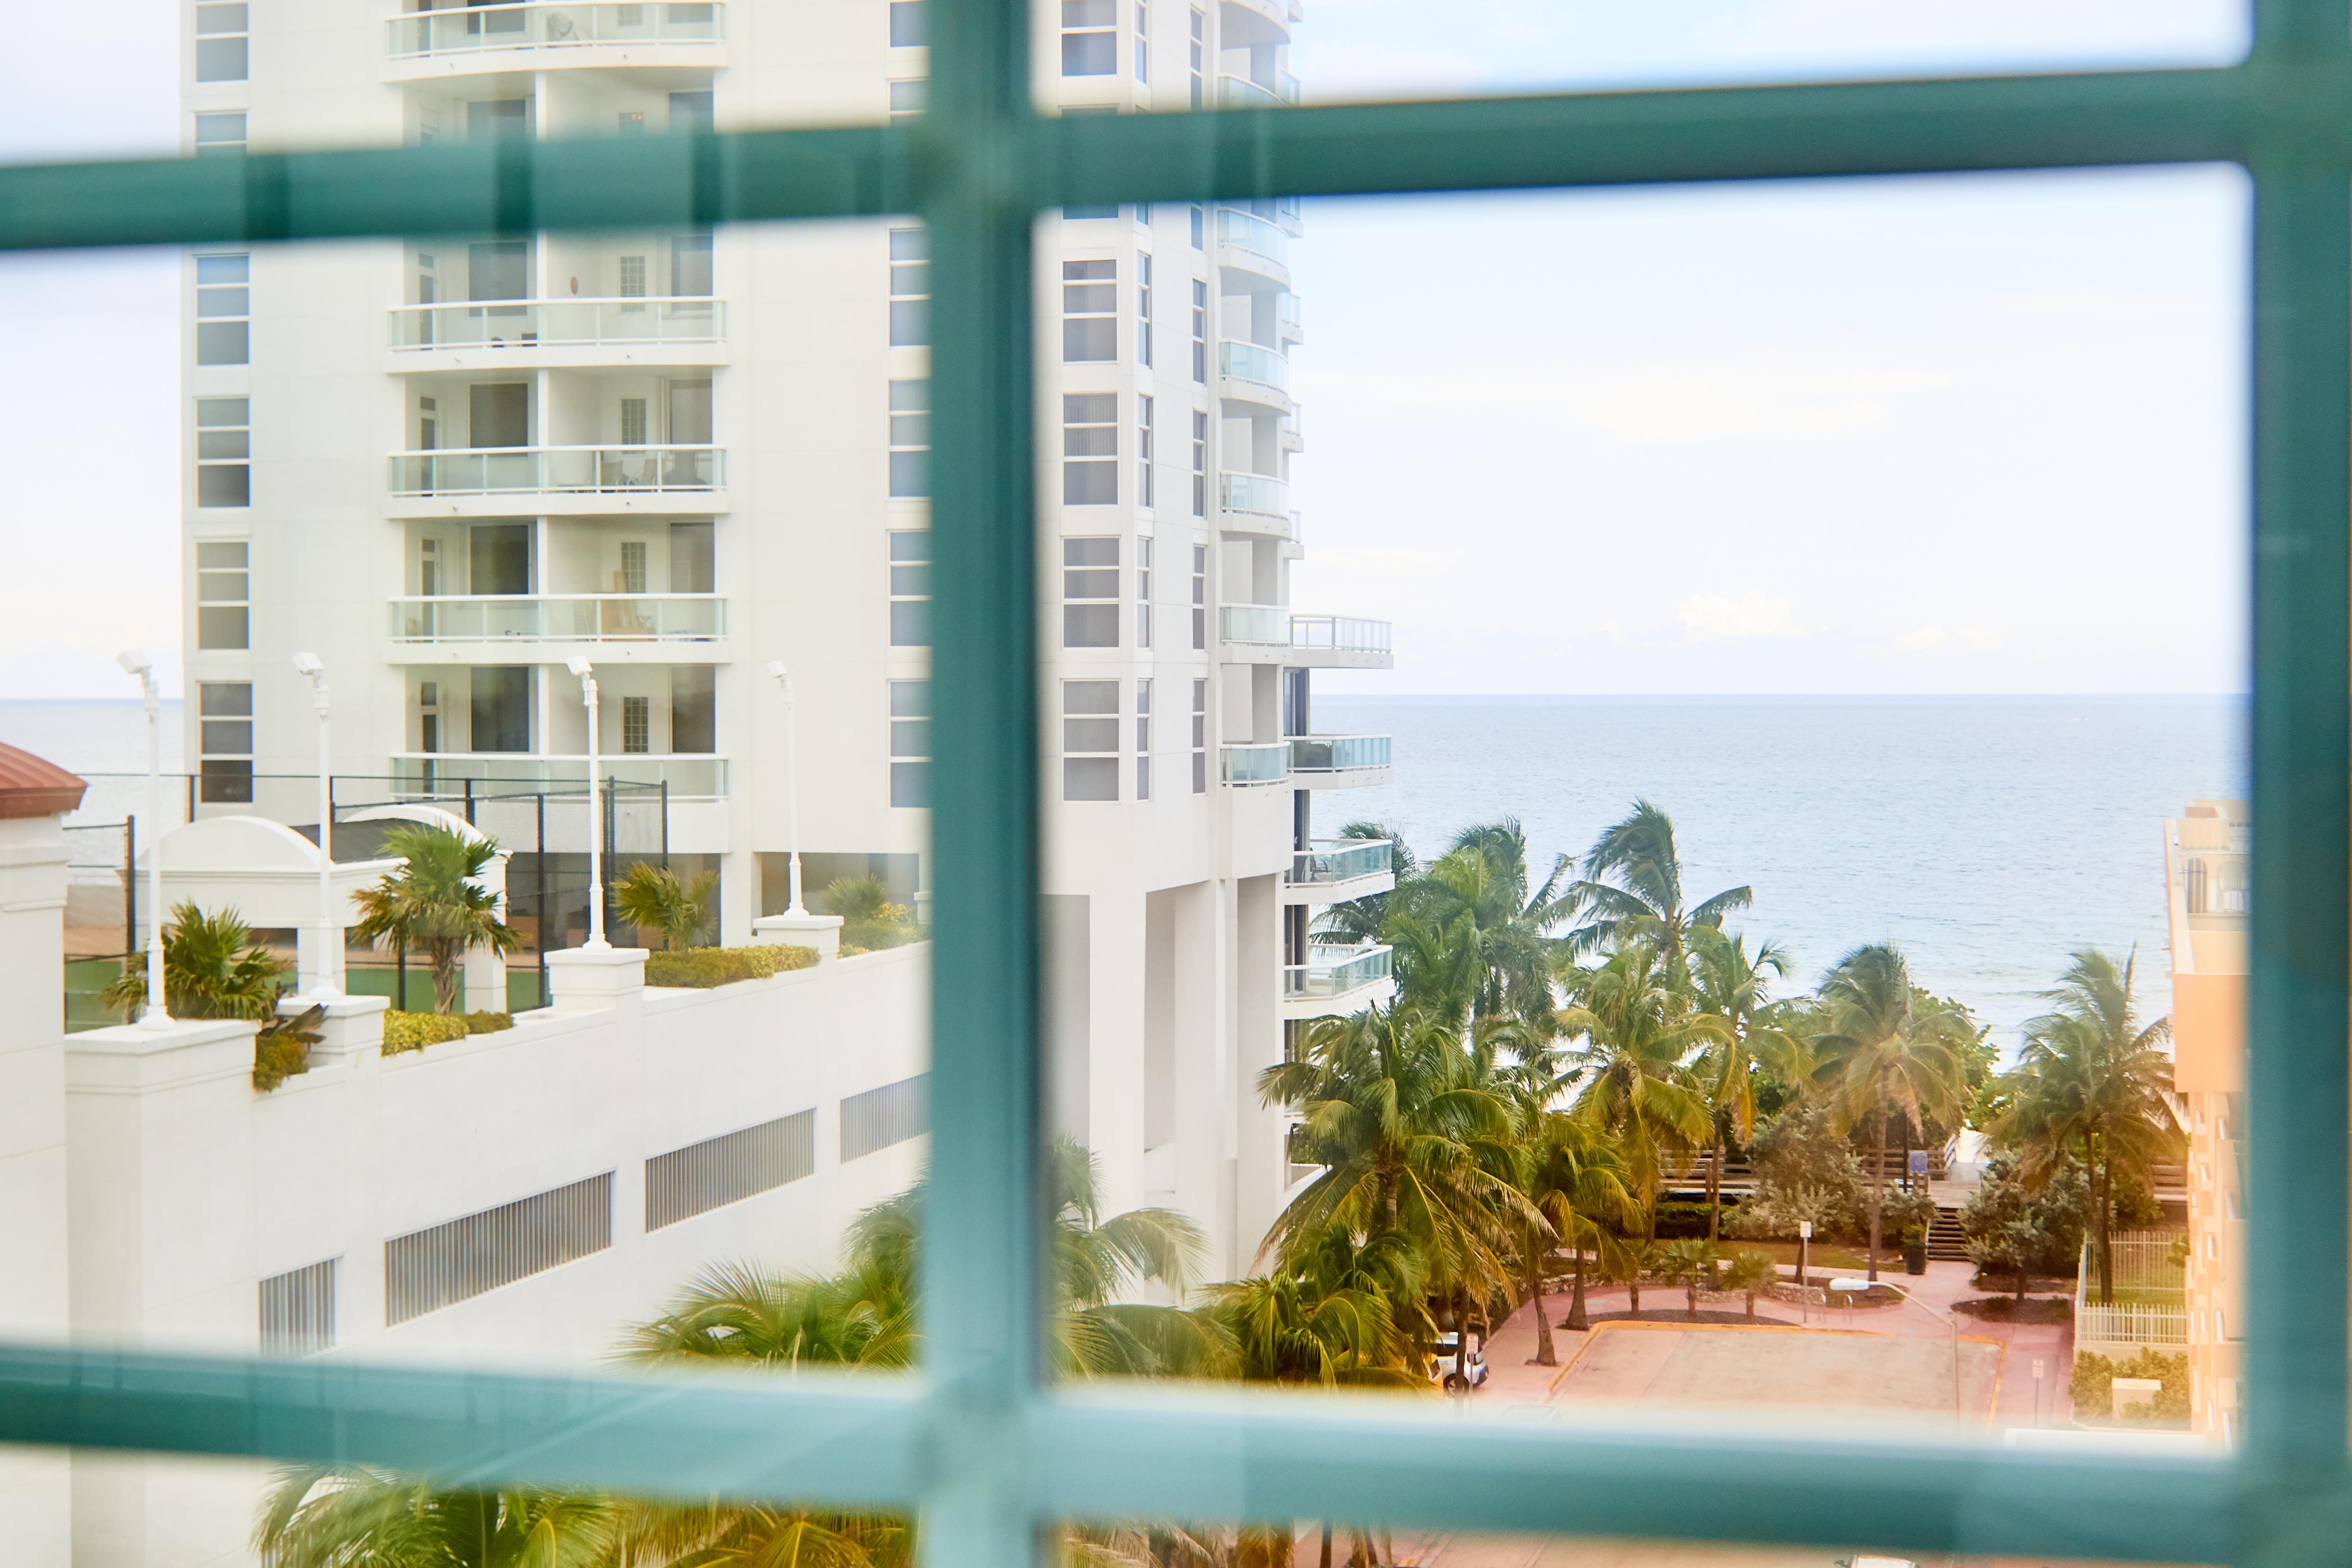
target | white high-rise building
[{"x": 452, "y": 465}]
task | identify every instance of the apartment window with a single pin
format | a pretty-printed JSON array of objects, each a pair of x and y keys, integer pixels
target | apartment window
[
  {"x": 910, "y": 588},
  {"x": 220, "y": 133},
  {"x": 693, "y": 708},
  {"x": 633, "y": 566},
  {"x": 1143, "y": 592},
  {"x": 1089, "y": 311},
  {"x": 1090, "y": 740},
  {"x": 1200, "y": 737},
  {"x": 428, "y": 427},
  {"x": 635, "y": 421},
  {"x": 910, "y": 288},
  {"x": 1089, "y": 37},
  {"x": 727, "y": 1169},
  {"x": 1200, "y": 331},
  {"x": 1145, "y": 489},
  {"x": 1089, "y": 449},
  {"x": 881, "y": 1116},
  {"x": 1199, "y": 223},
  {"x": 298, "y": 1310},
  {"x": 454, "y": 1262},
  {"x": 225, "y": 740},
  {"x": 637, "y": 725},
  {"x": 1200, "y": 597},
  {"x": 910, "y": 743},
  {"x": 632, "y": 122},
  {"x": 690, "y": 273},
  {"x": 220, "y": 43},
  {"x": 1142, "y": 41},
  {"x": 1200, "y": 464},
  {"x": 908, "y": 96},
  {"x": 909, "y": 25},
  {"x": 1143, "y": 740},
  {"x": 1090, "y": 593},
  {"x": 500, "y": 709},
  {"x": 223, "y": 309},
  {"x": 224, "y": 595},
  {"x": 224, "y": 452},
  {"x": 910, "y": 437},
  {"x": 632, "y": 277},
  {"x": 1143, "y": 309}
]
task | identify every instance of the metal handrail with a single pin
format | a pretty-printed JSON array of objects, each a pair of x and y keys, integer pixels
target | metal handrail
[
  {"x": 1338, "y": 754},
  {"x": 498, "y": 470},
  {"x": 567, "y": 23},
  {"x": 571, "y": 617},
  {"x": 552, "y": 323}
]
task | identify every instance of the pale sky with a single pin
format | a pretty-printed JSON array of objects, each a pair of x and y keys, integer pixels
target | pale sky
[{"x": 1949, "y": 434}]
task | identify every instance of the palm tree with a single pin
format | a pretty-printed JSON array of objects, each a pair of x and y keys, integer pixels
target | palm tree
[
  {"x": 1690, "y": 1263},
  {"x": 212, "y": 969},
  {"x": 1330, "y": 1318},
  {"x": 1640, "y": 1036},
  {"x": 2090, "y": 1080},
  {"x": 654, "y": 898},
  {"x": 1737, "y": 988},
  {"x": 1752, "y": 1274},
  {"x": 1359, "y": 921},
  {"x": 1483, "y": 877},
  {"x": 1894, "y": 1048},
  {"x": 1637, "y": 1257},
  {"x": 1570, "y": 1173},
  {"x": 1633, "y": 891},
  {"x": 435, "y": 901},
  {"x": 350, "y": 1516}
]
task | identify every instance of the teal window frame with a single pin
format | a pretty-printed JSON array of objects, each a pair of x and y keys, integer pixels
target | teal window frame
[{"x": 979, "y": 1442}]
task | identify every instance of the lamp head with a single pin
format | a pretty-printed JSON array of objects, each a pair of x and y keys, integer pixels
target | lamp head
[
  {"x": 580, "y": 665},
  {"x": 776, "y": 668},
  {"x": 308, "y": 664},
  {"x": 135, "y": 660}
]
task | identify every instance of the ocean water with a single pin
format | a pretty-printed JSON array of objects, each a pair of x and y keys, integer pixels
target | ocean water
[
  {"x": 1988, "y": 836},
  {"x": 106, "y": 743}
]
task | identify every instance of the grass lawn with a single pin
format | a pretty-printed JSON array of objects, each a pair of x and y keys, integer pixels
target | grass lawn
[{"x": 1825, "y": 1256}]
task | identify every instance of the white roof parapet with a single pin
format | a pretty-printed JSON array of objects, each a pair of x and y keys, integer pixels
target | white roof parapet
[{"x": 263, "y": 869}]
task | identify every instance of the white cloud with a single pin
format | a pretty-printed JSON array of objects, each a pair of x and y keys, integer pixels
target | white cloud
[
  {"x": 1713, "y": 617},
  {"x": 1366, "y": 71}
]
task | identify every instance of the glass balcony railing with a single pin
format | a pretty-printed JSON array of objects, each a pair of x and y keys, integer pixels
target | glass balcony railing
[
  {"x": 560, "y": 617},
  {"x": 1241, "y": 92},
  {"x": 1241, "y": 231},
  {"x": 474, "y": 30},
  {"x": 1261, "y": 626},
  {"x": 1333, "y": 971},
  {"x": 1341, "y": 860},
  {"x": 1286, "y": 318},
  {"x": 1338, "y": 754},
  {"x": 513, "y": 773},
  {"x": 1273, "y": 625},
  {"x": 1256, "y": 765},
  {"x": 1249, "y": 361},
  {"x": 516, "y": 470},
  {"x": 558, "y": 323},
  {"x": 1254, "y": 493}
]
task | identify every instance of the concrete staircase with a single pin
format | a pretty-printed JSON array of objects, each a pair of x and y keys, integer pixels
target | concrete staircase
[{"x": 1944, "y": 1239}]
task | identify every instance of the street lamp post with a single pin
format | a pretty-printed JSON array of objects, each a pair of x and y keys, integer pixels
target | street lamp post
[
  {"x": 586, "y": 671},
  {"x": 1858, "y": 1286},
  {"x": 323, "y": 986},
  {"x": 791, "y": 782},
  {"x": 141, "y": 663}
]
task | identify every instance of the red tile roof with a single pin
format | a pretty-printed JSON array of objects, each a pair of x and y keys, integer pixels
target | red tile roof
[{"x": 32, "y": 786}]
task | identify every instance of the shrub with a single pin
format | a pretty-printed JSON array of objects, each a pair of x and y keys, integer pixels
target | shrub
[
  {"x": 487, "y": 1022},
  {"x": 857, "y": 898},
  {"x": 1804, "y": 1169},
  {"x": 700, "y": 968},
  {"x": 2094, "y": 1377},
  {"x": 1683, "y": 1221},
  {"x": 414, "y": 1031},
  {"x": 281, "y": 1048}
]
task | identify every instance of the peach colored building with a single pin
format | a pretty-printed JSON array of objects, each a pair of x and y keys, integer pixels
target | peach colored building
[{"x": 2205, "y": 861}]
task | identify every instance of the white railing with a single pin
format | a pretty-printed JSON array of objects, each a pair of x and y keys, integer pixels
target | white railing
[
  {"x": 515, "y": 470},
  {"x": 1245, "y": 231},
  {"x": 1255, "y": 764},
  {"x": 1332, "y": 972},
  {"x": 1241, "y": 92},
  {"x": 1254, "y": 493},
  {"x": 1341, "y": 860},
  {"x": 559, "y": 324},
  {"x": 2129, "y": 1323},
  {"x": 434, "y": 772},
  {"x": 560, "y": 617},
  {"x": 477, "y": 29},
  {"x": 1343, "y": 634},
  {"x": 1338, "y": 754},
  {"x": 1253, "y": 361}
]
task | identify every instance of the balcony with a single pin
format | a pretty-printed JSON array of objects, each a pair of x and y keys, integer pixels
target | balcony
[
  {"x": 434, "y": 773},
  {"x": 526, "y": 335},
  {"x": 1254, "y": 244},
  {"x": 1339, "y": 761},
  {"x": 1255, "y": 764},
  {"x": 464, "y": 40},
  {"x": 1286, "y": 322},
  {"x": 1254, "y": 503},
  {"x": 1271, "y": 634},
  {"x": 1335, "y": 980},
  {"x": 1241, "y": 92},
  {"x": 1333, "y": 870},
  {"x": 1257, "y": 22},
  {"x": 626, "y": 628},
  {"x": 577, "y": 480},
  {"x": 1252, "y": 373}
]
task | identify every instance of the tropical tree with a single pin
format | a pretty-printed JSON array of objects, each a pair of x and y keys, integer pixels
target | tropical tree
[
  {"x": 1359, "y": 921},
  {"x": 1639, "y": 1258},
  {"x": 436, "y": 903},
  {"x": 1570, "y": 1173},
  {"x": 1639, "y": 1036},
  {"x": 1332, "y": 1316},
  {"x": 1752, "y": 1274},
  {"x": 1483, "y": 880},
  {"x": 360, "y": 1517},
  {"x": 1690, "y": 1263},
  {"x": 2090, "y": 1084},
  {"x": 212, "y": 969},
  {"x": 1736, "y": 986},
  {"x": 654, "y": 898},
  {"x": 1633, "y": 891},
  {"x": 1895, "y": 1051}
]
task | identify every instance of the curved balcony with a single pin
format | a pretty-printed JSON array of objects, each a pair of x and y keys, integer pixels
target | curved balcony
[
  {"x": 1251, "y": 373},
  {"x": 1333, "y": 870},
  {"x": 1241, "y": 92},
  {"x": 469, "y": 39},
  {"x": 1336, "y": 980},
  {"x": 1255, "y": 22},
  {"x": 577, "y": 480},
  {"x": 624, "y": 628},
  {"x": 1255, "y": 764},
  {"x": 1339, "y": 761},
  {"x": 1286, "y": 321},
  {"x": 1271, "y": 634},
  {"x": 1253, "y": 503},
  {"x": 558, "y": 333},
  {"x": 1252, "y": 245}
]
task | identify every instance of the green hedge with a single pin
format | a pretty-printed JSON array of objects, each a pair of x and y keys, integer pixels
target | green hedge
[
  {"x": 414, "y": 1031},
  {"x": 699, "y": 968},
  {"x": 1684, "y": 1221}
]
